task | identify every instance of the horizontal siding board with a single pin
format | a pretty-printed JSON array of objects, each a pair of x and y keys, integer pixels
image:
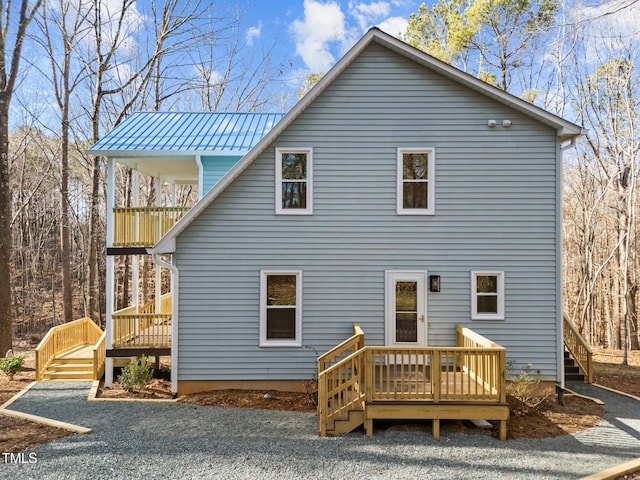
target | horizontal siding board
[{"x": 495, "y": 209}]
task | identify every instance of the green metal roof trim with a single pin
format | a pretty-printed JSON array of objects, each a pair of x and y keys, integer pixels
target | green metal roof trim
[{"x": 186, "y": 132}]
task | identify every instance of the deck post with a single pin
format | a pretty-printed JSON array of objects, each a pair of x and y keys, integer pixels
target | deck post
[
  {"x": 503, "y": 430},
  {"x": 369, "y": 385},
  {"x": 436, "y": 367},
  {"x": 436, "y": 428}
]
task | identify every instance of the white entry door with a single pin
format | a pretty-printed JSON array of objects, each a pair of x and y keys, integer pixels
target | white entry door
[{"x": 406, "y": 308}]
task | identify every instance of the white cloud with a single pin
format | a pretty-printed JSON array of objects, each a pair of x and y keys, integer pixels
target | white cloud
[
  {"x": 323, "y": 25},
  {"x": 367, "y": 14},
  {"x": 252, "y": 33},
  {"x": 394, "y": 25}
]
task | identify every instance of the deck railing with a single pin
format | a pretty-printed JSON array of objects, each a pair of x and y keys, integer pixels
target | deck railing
[
  {"x": 143, "y": 226},
  {"x": 350, "y": 376},
  {"x": 434, "y": 374},
  {"x": 144, "y": 328},
  {"x": 65, "y": 337},
  {"x": 341, "y": 379},
  {"x": 99, "y": 356},
  {"x": 578, "y": 348},
  {"x": 346, "y": 348}
]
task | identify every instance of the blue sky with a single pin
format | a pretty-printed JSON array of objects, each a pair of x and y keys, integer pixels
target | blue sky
[{"x": 314, "y": 34}]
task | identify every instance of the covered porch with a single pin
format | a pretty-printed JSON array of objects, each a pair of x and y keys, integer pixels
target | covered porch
[{"x": 358, "y": 384}]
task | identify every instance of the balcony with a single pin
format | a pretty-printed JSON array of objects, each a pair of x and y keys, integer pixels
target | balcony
[
  {"x": 145, "y": 328},
  {"x": 143, "y": 226}
]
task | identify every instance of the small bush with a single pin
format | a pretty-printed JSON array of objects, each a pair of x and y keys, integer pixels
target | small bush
[
  {"x": 526, "y": 391},
  {"x": 11, "y": 365},
  {"x": 137, "y": 375}
]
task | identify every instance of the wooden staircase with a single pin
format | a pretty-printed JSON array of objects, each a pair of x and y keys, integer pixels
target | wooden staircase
[
  {"x": 72, "y": 351},
  {"x": 572, "y": 371},
  {"x": 358, "y": 384},
  {"x": 578, "y": 355},
  {"x": 74, "y": 364}
]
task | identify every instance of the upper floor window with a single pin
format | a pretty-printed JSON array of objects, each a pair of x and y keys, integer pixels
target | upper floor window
[
  {"x": 416, "y": 172},
  {"x": 294, "y": 181},
  {"x": 487, "y": 295}
]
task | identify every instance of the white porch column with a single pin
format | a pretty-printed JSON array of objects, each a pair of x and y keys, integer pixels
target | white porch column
[
  {"x": 135, "y": 260},
  {"x": 110, "y": 274},
  {"x": 157, "y": 268}
]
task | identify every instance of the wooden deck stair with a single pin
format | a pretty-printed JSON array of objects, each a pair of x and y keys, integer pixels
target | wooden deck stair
[
  {"x": 358, "y": 384},
  {"x": 72, "y": 351},
  {"x": 74, "y": 364}
]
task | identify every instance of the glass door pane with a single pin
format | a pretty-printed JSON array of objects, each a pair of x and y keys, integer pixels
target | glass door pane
[{"x": 406, "y": 311}]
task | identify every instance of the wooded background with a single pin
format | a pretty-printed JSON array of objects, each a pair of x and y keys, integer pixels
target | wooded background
[{"x": 574, "y": 59}]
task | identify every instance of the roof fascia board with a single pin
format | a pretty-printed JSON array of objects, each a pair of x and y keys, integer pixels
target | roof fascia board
[{"x": 164, "y": 154}]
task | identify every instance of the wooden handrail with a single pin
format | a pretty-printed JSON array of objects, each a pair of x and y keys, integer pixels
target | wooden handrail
[
  {"x": 143, "y": 226},
  {"x": 141, "y": 330},
  {"x": 341, "y": 388},
  {"x": 578, "y": 348},
  {"x": 350, "y": 345},
  {"x": 99, "y": 356},
  {"x": 352, "y": 376},
  {"x": 62, "y": 338}
]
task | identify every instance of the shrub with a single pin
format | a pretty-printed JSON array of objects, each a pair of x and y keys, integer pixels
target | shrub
[
  {"x": 137, "y": 375},
  {"x": 526, "y": 390},
  {"x": 11, "y": 365}
]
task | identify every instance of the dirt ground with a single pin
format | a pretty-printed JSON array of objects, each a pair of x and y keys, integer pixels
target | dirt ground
[{"x": 547, "y": 420}]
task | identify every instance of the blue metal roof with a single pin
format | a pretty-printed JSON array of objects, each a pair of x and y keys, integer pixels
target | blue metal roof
[{"x": 186, "y": 132}]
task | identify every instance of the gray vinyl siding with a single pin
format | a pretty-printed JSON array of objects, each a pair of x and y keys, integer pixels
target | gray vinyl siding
[
  {"x": 495, "y": 209},
  {"x": 214, "y": 168}
]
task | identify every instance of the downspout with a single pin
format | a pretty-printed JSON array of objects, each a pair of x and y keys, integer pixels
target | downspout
[
  {"x": 175, "y": 284},
  {"x": 559, "y": 322},
  {"x": 200, "y": 177}
]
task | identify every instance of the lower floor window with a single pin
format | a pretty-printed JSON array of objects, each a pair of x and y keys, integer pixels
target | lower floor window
[
  {"x": 487, "y": 295},
  {"x": 280, "y": 308}
]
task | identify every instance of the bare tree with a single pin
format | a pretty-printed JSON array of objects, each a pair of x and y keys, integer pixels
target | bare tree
[
  {"x": 63, "y": 25},
  {"x": 10, "y": 53}
]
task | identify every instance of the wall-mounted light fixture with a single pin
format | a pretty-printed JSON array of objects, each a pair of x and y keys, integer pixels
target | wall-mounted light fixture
[
  {"x": 491, "y": 124},
  {"x": 434, "y": 283},
  {"x": 506, "y": 123}
]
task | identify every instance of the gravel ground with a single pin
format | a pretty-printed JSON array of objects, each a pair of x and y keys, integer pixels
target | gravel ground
[{"x": 167, "y": 440}]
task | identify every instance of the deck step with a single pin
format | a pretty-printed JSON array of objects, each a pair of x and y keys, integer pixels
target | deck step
[
  {"x": 68, "y": 375},
  {"x": 70, "y": 367},
  {"x": 571, "y": 369},
  {"x": 348, "y": 424},
  {"x": 72, "y": 361}
]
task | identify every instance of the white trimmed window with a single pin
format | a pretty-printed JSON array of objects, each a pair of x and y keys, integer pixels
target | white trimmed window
[
  {"x": 294, "y": 181},
  {"x": 416, "y": 186},
  {"x": 281, "y": 308},
  {"x": 487, "y": 295}
]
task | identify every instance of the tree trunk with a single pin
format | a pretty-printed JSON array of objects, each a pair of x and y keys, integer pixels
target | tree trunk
[
  {"x": 65, "y": 229},
  {"x": 6, "y": 333}
]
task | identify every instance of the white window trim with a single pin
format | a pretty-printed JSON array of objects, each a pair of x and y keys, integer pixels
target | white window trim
[
  {"x": 294, "y": 211},
  {"x": 474, "y": 296},
  {"x": 264, "y": 342},
  {"x": 431, "y": 182}
]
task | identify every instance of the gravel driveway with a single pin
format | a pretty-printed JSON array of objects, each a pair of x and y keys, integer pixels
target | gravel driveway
[{"x": 168, "y": 440}]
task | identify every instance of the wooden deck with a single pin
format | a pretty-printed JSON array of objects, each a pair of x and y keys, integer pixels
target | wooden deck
[
  {"x": 75, "y": 350},
  {"x": 358, "y": 384}
]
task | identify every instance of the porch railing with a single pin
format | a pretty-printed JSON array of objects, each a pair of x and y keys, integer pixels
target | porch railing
[
  {"x": 144, "y": 328},
  {"x": 143, "y": 226},
  {"x": 352, "y": 375},
  {"x": 65, "y": 337},
  {"x": 341, "y": 380},
  {"x": 578, "y": 348},
  {"x": 435, "y": 374}
]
